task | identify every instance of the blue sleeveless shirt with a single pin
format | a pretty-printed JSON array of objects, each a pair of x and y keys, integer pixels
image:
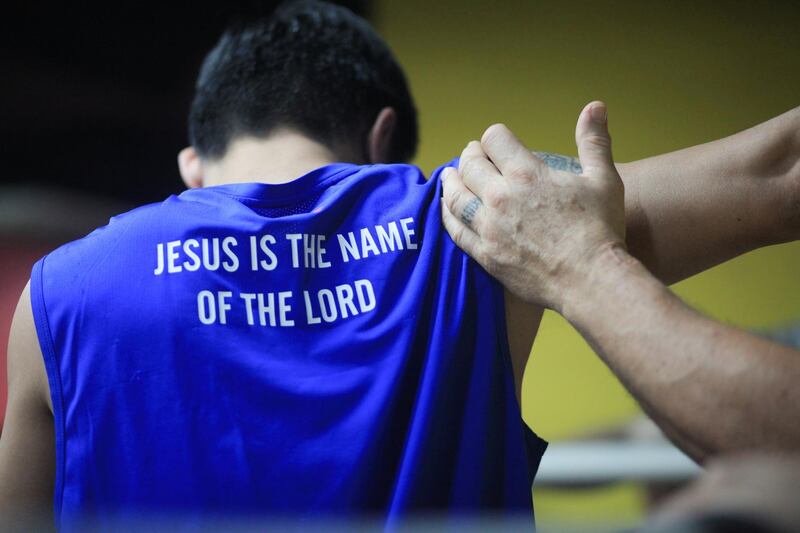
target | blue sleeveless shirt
[{"x": 316, "y": 348}]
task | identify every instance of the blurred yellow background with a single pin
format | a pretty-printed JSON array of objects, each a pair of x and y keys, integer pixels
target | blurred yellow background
[{"x": 674, "y": 74}]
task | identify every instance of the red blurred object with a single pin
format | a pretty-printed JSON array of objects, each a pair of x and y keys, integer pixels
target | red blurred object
[
  {"x": 34, "y": 221},
  {"x": 16, "y": 259}
]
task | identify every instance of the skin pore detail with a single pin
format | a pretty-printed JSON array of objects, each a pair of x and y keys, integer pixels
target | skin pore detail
[{"x": 560, "y": 162}]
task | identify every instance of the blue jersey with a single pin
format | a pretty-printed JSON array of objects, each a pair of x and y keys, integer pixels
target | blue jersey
[{"x": 315, "y": 348}]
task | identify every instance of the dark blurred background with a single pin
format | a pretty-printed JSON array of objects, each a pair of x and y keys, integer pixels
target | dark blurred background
[
  {"x": 93, "y": 100},
  {"x": 95, "y": 95}
]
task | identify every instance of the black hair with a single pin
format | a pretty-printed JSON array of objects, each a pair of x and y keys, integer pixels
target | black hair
[{"x": 312, "y": 66}]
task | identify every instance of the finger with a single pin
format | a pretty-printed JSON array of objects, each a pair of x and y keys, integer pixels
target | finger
[
  {"x": 462, "y": 235},
  {"x": 476, "y": 170},
  {"x": 460, "y": 201},
  {"x": 594, "y": 142},
  {"x": 509, "y": 155}
]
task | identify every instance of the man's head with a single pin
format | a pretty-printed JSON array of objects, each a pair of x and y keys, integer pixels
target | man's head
[{"x": 311, "y": 68}]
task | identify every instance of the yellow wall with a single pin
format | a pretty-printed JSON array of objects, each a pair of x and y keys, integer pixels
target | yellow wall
[{"x": 673, "y": 74}]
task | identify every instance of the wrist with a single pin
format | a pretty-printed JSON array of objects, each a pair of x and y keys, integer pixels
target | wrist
[{"x": 601, "y": 279}]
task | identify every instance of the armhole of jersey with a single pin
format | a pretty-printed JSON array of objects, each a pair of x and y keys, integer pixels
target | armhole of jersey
[{"x": 42, "y": 324}]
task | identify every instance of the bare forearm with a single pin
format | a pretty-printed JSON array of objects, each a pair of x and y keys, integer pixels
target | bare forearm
[
  {"x": 692, "y": 209},
  {"x": 711, "y": 387},
  {"x": 558, "y": 240}
]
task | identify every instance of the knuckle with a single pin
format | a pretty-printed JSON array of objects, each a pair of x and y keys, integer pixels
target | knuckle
[
  {"x": 470, "y": 167},
  {"x": 494, "y": 133},
  {"x": 455, "y": 201},
  {"x": 451, "y": 198},
  {"x": 470, "y": 147},
  {"x": 598, "y": 141},
  {"x": 459, "y": 236},
  {"x": 447, "y": 191},
  {"x": 522, "y": 172},
  {"x": 495, "y": 198}
]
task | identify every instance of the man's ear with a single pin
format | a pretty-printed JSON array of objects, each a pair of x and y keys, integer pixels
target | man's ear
[
  {"x": 379, "y": 140},
  {"x": 191, "y": 167}
]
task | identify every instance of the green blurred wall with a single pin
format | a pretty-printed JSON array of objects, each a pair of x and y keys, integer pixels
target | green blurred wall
[{"x": 674, "y": 74}]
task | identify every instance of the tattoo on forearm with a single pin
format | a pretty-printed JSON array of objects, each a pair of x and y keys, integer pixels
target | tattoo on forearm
[
  {"x": 468, "y": 213},
  {"x": 560, "y": 162}
]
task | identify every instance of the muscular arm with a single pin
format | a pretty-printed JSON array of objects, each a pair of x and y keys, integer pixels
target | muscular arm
[
  {"x": 27, "y": 444},
  {"x": 689, "y": 210},
  {"x": 712, "y": 388},
  {"x": 722, "y": 198},
  {"x": 557, "y": 239}
]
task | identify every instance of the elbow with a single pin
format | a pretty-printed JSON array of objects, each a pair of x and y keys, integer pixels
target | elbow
[{"x": 781, "y": 440}]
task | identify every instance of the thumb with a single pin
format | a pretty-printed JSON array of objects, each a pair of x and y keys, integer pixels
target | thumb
[{"x": 594, "y": 142}]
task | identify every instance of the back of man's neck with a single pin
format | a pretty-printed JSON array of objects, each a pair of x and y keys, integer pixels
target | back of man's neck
[{"x": 280, "y": 158}]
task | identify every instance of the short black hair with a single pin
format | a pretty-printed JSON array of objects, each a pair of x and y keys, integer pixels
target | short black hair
[{"x": 312, "y": 66}]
